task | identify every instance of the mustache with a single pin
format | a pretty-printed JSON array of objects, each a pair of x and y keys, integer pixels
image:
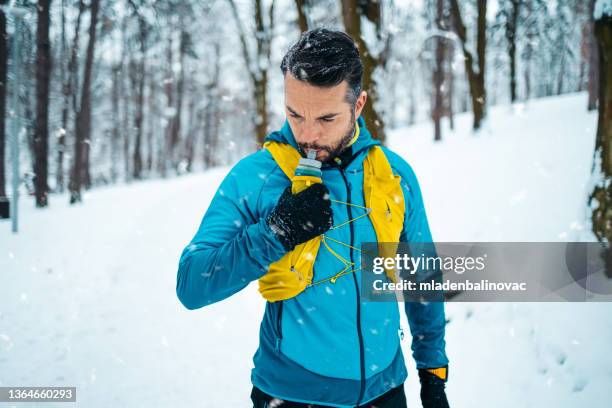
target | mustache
[{"x": 304, "y": 147}]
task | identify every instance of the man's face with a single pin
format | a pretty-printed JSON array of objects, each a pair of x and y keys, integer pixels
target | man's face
[{"x": 321, "y": 118}]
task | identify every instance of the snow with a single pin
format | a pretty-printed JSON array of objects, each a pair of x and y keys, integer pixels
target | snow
[
  {"x": 602, "y": 8},
  {"x": 530, "y": 164},
  {"x": 88, "y": 292}
]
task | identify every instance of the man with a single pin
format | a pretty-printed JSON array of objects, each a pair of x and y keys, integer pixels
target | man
[{"x": 324, "y": 346}]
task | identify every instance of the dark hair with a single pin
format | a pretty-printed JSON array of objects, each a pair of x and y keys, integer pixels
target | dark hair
[{"x": 325, "y": 58}]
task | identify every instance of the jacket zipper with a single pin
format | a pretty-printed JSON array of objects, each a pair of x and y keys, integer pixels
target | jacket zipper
[
  {"x": 359, "y": 334},
  {"x": 279, "y": 326}
]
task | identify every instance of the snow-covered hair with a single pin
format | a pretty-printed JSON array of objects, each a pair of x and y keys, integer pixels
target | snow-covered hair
[{"x": 325, "y": 58}]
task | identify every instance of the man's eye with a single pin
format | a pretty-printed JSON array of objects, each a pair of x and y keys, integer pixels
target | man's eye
[{"x": 327, "y": 119}]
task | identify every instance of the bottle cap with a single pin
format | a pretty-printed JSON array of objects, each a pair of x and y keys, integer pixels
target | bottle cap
[{"x": 309, "y": 163}]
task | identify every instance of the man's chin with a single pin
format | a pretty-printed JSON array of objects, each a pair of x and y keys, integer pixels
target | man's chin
[{"x": 323, "y": 157}]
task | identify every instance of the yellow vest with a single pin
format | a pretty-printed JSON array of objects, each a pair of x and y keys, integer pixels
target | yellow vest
[{"x": 292, "y": 274}]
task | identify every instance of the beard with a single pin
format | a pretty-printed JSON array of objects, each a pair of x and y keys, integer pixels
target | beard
[{"x": 332, "y": 151}]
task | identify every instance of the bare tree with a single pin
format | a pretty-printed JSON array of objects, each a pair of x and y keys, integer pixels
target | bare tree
[
  {"x": 211, "y": 110},
  {"x": 174, "y": 84},
  {"x": 511, "y": 12},
  {"x": 138, "y": 74},
  {"x": 602, "y": 193},
  {"x": 562, "y": 50},
  {"x": 83, "y": 117},
  {"x": 438, "y": 73},
  {"x": 175, "y": 129},
  {"x": 352, "y": 12},
  {"x": 123, "y": 92},
  {"x": 168, "y": 84},
  {"x": 302, "y": 7},
  {"x": 450, "y": 88},
  {"x": 43, "y": 74},
  {"x": 28, "y": 102},
  {"x": 475, "y": 75},
  {"x": 593, "y": 82},
  {"x": 68, "y": 89},
  {"x": 258, "y": 66},
  {"x": 3, "y": 83},
  {"x": 153, "y": 117},
  {"x": 116, "y": 133},
  {"x": 193, "y": 123}
]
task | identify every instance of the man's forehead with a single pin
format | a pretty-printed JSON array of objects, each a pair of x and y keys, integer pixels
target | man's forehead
[{"x": 302, "y": 94}]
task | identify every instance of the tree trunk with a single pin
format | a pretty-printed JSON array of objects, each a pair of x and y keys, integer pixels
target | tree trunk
[
  {"x": 3, "y": 83},
  {"x": 481, "y": 36},
  {"x": 412, "y": 108},
  {"x": 438, "y": 75},
  {"x": 178, "y": 109},
  {"x": 561, "y": 75},
  {"x": 264, "y": 39},
  {"x": 68, "y": 92},
  {"x": 476, "y": 78},
  {"x": 581, "y": 12},
  {"x": 165, "y": 155},
  {"x": 450, "y": 94},
  {"x": 61, "y": 139},
  {"x": 211, "y": 112},
  {"x": 139, "y": 82},
  {"x": 83, "y": 117},
  {"x": 593, "y": 82},
  {"x": 123, "y": 91},
  {"x": 352, "y": 23},
  {"x": 192, "y": 126},
  {"x": 153, "y": 120},
  {"x": 528, "y": 52},
  {"x": 43, "y": 74},
  {"x": 116, "y": 134},
  {"x": 28, "y": 102},
  {"x": 602, "y": 214},
  {"x": 258, "y": 71},
  {"x": 261, "y": 102},
  {"x": 302, "y": 7},
  {"x": 511, "y": 26}
]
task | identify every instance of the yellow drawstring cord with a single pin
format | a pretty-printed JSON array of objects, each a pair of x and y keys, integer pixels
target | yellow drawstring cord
[{"x": 347, "y": 264}]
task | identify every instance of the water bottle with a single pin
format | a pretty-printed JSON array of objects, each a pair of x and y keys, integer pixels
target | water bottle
[{"x": 307, "y": 172}]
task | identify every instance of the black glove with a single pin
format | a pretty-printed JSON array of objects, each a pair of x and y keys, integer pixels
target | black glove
[
  {"x": 432, "y": 390},
  {"x": 300, "y": 217}
]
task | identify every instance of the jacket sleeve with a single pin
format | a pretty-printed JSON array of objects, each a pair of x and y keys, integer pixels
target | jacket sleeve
[
  {"x": 426, "y": 319},
  {"x": 231, "y": 248}
]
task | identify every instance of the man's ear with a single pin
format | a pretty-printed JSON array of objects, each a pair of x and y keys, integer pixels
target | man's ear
[{"x": 360, "y": 103}]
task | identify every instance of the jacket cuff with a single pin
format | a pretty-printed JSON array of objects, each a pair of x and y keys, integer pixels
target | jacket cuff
[{"x": 440, "y": 372}]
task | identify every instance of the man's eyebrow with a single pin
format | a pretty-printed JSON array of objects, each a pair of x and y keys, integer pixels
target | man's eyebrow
[{"x": 325, "y": 116}]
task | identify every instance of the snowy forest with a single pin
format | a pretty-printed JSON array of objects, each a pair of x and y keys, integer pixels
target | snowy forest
[
  {"x": 114, "y": 91},
  {"x": 119, "y": 119}
]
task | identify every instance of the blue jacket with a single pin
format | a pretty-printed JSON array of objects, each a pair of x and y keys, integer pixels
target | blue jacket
[{"x": 325, "y": 346}]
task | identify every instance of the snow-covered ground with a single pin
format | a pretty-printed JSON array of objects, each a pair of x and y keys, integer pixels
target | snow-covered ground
[{"x": 87, "y": 293}]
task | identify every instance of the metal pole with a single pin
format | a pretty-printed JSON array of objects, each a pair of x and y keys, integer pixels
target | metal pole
[{"x": 18, "y": 13}]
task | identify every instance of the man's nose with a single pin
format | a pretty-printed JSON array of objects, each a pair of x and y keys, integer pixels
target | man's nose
[{"x": 310, "y": 134}]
